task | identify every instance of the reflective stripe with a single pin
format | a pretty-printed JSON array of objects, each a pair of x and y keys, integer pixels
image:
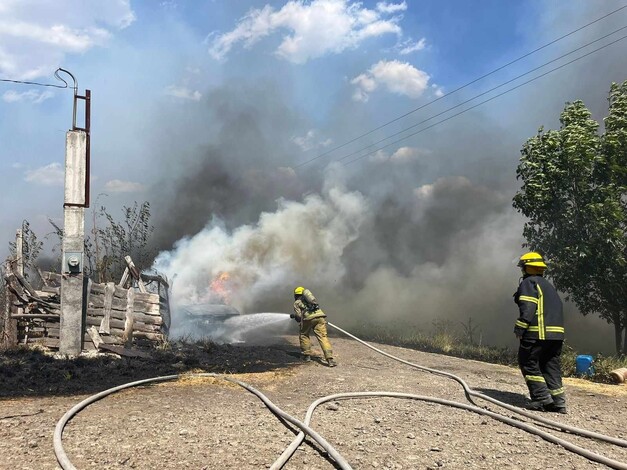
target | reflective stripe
[
  {"x": 558, "y": 391},
  {"x": 541, "y": 331},
  {"x": 528, "y": 299},
  {"x": 533, "y": 329},
  {"x": 522, "y": 324},
  {"x": 555, "y": 329},
  {"x": 534, "y": 378}
]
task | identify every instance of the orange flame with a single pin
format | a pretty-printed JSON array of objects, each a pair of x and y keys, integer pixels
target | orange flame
[{"x": 220, "y": 287}]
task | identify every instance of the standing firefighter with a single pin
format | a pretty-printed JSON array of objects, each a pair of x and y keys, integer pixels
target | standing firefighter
[
  {"x": 540, "y": 328},
  {"x": 307, "y": 312}
]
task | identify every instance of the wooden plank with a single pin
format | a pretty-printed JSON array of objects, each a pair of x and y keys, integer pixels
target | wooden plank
[
  {"x": 156, "y": 278},
  {"x": 108, "y": 300},
  {"x": 112, "y": 339},
  {"x": 98, "y": 301},
  {"x": 148, "y": 297},
  {"x": 151, "y": 336},
  {"x": 129, "y": 320},
  {"x": 118, "y": 325},
  {"x": 51, "y": 290},
  {"x": 95, "y": 337},
  {"x": 98, "y": 313},
  {"x": 46, "y": 295},
  {"x": 124, "y": 278},
  {"x": 141, "y": 317},
  {"x": 24, "y": 316},
  {"x": 124, "y": 352},
  {"x": 47, "y": 342},
  {"x": 31, "y": 291},
  {"x": 99, "y": 289},
  {"x": 52, "y": 278},
  {"x": 41, "y": 276}
]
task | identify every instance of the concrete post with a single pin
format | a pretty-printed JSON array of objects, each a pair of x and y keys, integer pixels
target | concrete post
[
  {"x": 19, "y": 251},
  {"x": 72, "y": 301}
]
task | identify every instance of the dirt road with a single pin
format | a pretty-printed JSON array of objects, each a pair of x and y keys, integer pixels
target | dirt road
[{"x": 208, "y": 424}]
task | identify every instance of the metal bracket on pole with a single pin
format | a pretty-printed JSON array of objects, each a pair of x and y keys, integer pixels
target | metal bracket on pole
[{"x": 86, "y": 129}]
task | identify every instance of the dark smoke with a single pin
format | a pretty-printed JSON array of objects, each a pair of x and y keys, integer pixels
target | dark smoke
[{"x": 436, "y": 237}]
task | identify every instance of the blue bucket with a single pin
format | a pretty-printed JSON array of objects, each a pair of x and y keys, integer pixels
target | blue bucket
[{"x": 583, "y": 365}]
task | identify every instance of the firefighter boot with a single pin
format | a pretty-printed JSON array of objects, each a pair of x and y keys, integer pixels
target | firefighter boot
[
  {"x": 331, "y": 362},
  {"x": 539, "y": 405},
  {"x": 552, "y": 407},
  {"x": 306, "y": 358}
]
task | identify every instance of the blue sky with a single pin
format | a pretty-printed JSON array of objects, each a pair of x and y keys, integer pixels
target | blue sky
[
  {"x": 147, "y": 60},
  {"x": 206, "y": 108}
]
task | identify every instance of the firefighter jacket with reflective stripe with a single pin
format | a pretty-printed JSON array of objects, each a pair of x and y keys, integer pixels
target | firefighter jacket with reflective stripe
[
  {"x": 540, "y": 308},
  {"x": 306, "y": 307}
]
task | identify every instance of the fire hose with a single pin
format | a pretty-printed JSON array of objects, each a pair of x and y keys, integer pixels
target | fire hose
[
  {"x": 470, "y": 393},
  {"x": 66, "y": 464}
]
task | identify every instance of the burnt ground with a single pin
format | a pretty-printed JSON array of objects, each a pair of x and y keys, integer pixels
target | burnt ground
[{"x": 206, "y": 424}]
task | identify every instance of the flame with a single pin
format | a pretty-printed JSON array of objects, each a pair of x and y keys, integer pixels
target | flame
[{"x": 220, "y": 287}]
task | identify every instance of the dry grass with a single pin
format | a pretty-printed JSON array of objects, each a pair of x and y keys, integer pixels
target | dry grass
[{"x": 450, "y": 339}]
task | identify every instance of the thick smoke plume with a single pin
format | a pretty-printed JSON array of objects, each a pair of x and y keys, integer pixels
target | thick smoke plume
[
  {"x": 406, "y": 236},
  {"x": 300, "y": 242}
]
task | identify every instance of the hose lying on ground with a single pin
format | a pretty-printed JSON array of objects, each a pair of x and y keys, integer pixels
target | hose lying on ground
[
  {"x": 66, "y": 464},
  {"x": 469, "y": 392},
  {"x": 289, "y": 451},
  {"x": 341, "y": 462}
]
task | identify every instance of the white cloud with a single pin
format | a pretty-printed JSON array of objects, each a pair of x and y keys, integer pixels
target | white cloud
[
  {"x": 386, "y": 7},
  {"x": 401, "y": 155},
  {"x": 314, "y": 29},
  {"x": 35, "y": 36},
  {"x": 311, "y": 140},
  {"x": 33, "y": 96},
  {"x": 409, "y": 46},
  {"x": 49, "y": 175},
  {"x": 119, "y": 186},
  {"x": 405, "y": 154},
  {"x": 183, "y": 93},
  {"x": 398, "y": 77},
  {"x": 437, "y": 90}
]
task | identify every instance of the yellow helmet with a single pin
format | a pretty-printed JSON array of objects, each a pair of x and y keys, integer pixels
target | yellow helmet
[
  {"x": 299, "y": 291},
  {"x": 532, "y": 259}
]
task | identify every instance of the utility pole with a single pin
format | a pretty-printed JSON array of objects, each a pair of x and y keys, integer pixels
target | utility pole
[{"x": 76, "y": 199}]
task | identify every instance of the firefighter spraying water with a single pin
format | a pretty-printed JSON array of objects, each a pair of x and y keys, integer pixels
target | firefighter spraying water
[{"x": 308, "y": 313}]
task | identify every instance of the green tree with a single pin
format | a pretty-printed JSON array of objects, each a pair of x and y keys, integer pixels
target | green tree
[{"x": 574, "y": 194}]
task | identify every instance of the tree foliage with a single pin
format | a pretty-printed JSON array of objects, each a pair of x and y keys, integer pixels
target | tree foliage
[{"x": 574, "y": 193}]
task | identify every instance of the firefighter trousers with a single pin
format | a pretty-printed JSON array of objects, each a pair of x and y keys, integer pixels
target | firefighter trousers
[
  {"x": 539, "y": 362},
  {"x": 319, "y": 328}
]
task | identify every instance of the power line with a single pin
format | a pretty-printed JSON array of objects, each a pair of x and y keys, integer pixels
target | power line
[
  {"x": 233, "y": 204},
  {"x": 459, "y": 88},
  {"x": 33, "y": 83},
  {"x": 52, "y": 85},
  {"x": 479, "y": 95},
  {"x": 485, "y": 101}
]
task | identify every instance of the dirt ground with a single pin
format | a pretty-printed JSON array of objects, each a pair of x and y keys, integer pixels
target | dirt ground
[{"x": 210, "y": 424}]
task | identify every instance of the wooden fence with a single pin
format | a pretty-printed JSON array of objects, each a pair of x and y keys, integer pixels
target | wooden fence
[{"x": 135, "y": 312}]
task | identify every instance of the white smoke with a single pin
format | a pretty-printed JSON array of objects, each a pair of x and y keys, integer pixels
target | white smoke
[{"x": 300, "y": 242}]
